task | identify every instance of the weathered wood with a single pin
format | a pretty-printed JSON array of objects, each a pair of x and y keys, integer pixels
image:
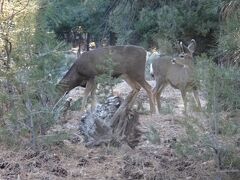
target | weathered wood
[{"x": 112, "y": 123}]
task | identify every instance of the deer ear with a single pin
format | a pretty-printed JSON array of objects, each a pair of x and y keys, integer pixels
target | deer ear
[
  {"x": 192, "y": 46},
  {"x": 184, "y": 48},
  {"x": 181, "y": 47}
]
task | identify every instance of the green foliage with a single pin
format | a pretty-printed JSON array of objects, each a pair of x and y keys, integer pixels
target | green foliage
[
  {"x": 153, "y": 135},
  {"x": 7, "y": 138},
  {"x": 228, "y": 158},
  {"x": 169, "y": 20},
  {"x": 221, "y": 83},
  {"x": 136, "y": 22},
  {"x": 122, "y": 22},
  {"x": 222, "y": 87},
  {"x": 200, "y": 16},
  {"x": 88, "y": 16},
  {"x": 28, "y": 82},
  {"x": 167, "y": 108},
  {"x": 106, "y": 81},
  {"x": 186, "y": 146},
  {"x": 183, "y": 148},
  {"x": 229, "y": 128},
  {"x": 229, "y": 38},
  {"x": 54, "y": 139}
]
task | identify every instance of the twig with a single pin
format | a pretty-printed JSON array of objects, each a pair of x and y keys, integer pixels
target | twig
[
  {"x": 14, "y": 14},
  {"x": 59, "y": 101},
  {"x": 228, "y": 171}
]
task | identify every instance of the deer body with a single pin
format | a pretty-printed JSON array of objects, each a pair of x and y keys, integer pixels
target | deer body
[
  {"x": 178, "y": 72},
  {"x": 128, "y": 62}
]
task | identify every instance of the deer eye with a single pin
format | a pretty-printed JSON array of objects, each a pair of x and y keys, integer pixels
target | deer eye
[{"x": 181, "y": 55}]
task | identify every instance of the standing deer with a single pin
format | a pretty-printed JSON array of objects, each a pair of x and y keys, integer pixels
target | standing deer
[
  {"x": 178, "y": 72},
  {"x": 128, "y": 62}
]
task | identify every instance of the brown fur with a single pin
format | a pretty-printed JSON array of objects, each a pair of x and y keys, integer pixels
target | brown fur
[
  {"x": 128, "y": 62},
  {"x": 178, "y": 71}
]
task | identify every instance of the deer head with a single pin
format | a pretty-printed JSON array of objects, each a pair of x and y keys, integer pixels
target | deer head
[{"x": 185, "y": 57}]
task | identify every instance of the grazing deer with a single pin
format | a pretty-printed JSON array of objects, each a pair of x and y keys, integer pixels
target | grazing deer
[
  {"x": 178, "y": 72},
  {"x": 128, "y": 62}
]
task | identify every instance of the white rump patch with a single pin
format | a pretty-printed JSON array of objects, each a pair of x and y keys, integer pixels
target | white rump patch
[{"x": 151, "y": 69}]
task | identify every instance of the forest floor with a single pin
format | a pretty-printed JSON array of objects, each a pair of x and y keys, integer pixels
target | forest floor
[{"x": 172, "y": 147}]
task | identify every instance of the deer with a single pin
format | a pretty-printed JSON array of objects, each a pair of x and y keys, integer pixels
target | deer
[
  {"x": 178, "y": 72},
  {"x": 128, "y": 63}
]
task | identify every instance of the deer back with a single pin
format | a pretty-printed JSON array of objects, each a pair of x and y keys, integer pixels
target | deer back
[
  {"x": 127, "y": 59},
  {"x": 123, "y": 60}
]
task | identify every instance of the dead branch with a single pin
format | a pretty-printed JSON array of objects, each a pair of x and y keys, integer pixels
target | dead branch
[
  {"x": 1, "y": 6},
  {"x": 112, "y": 123}
]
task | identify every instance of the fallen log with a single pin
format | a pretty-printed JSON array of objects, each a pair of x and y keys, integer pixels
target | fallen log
[{"x": 112, "y": 123}]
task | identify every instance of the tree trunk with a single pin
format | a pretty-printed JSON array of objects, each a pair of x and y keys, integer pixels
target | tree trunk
[{"x": 112, "y": 123}]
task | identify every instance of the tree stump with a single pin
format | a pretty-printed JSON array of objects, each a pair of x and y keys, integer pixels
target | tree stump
[{"x": 113, "y": 123}]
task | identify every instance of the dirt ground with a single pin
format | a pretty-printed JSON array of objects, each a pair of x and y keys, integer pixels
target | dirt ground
[{"x": 155, "y": 158}]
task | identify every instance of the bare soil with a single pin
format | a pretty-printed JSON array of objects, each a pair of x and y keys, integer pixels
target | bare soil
[{"x": 70, "y": 159}]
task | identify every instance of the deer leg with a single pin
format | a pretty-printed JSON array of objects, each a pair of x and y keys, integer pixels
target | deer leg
[
  {"x": 157, "y": 90},
  {"x": 93, "y": 95},
  {"x": 155, "y": 93},
  {"x": 135, "y": 88},
  {"x": 91, "y": 86},
  {"x": 196, "y": 97},
  {"x": 158, "y": 96},
  {"x": 148, "y": 89},
  {"x": 184, "y": 100}
]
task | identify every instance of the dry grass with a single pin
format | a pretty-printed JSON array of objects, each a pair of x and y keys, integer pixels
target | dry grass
[{"x": 69, "y": 159}]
